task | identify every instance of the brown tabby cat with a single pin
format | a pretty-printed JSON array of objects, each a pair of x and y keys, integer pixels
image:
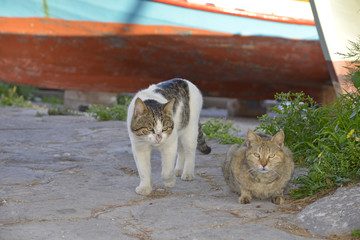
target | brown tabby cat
[{"x": 261, "y": 167}]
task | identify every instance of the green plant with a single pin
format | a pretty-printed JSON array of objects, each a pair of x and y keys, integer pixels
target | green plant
[
  {"x": 39, "y": 114},
  {"x": 53, "y": 110},
  {"x": 9, "y": 97},
  {"x": 326, "y": 139},
  {"x": 103, "y": 113},
  {"x": 123, "y": 100},
  {"x": 353, "y": 55},
  {"x": 117, "y": 112},
  {"x": 28, "y": 92},
  {"x": 221, "y": 130},
  {"x": 356, "y": 233}
]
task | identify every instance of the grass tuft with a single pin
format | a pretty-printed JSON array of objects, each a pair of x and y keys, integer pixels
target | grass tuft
[
  {"x": 10, "y": 97},
  {"x": 221, "y": 130},
  {"x": 116, "y": 113},
  {"x": 61, "y": 111}
]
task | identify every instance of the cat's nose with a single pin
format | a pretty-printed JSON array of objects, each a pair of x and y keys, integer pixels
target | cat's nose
[{"x": 158, "y": 137}]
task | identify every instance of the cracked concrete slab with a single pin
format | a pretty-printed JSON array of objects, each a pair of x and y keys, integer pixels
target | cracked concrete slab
[{"x": 72, "y": 177}]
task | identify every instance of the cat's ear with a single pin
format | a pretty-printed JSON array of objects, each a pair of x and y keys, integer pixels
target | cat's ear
[
  {"x": 252, "y": 138},
  {"x": 140, "y": 108},
  {"x": 168, "y": 108},
  {"x": 279, "y": 138}
]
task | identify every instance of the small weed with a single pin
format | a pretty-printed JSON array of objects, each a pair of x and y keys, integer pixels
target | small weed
[
  {"x": 103, "y": 113},
  {"x": 27, "y": 92},
  {"x": 123, "y": 100},
  {"x": 11, "y": 98},
  {"x": 356, "y": 233},
  {"x": 40, "y": 114},
  {"x": 221, "y": 130},
  {"x": 55, "y": 111},
  {"x": 118, "y": 112}
]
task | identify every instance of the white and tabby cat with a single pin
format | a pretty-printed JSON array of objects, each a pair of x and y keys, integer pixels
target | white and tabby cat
[{"x": 165, "y": 116}]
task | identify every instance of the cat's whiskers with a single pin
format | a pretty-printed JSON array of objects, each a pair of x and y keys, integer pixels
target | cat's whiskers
[
  {"x": 276, "y": 172},
  {"x": 251, "y": 171}
]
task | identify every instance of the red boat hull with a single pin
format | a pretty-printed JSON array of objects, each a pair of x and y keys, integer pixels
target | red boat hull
[{"x": 126, "y": 58}]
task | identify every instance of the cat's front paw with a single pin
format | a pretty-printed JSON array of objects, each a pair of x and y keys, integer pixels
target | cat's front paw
[
  {"x": 143, "y": 190},
  {"x": 187, "y": 177},
  {"x": 178, "y": 172},
  {"x": 169, "y": 181},
  {"x": 277, "y": 200},
  {"x": 244, "y": 199}
]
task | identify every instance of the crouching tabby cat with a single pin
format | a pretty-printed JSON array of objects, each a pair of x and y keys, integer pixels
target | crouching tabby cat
[
  {"x": 165, "y": 116},
  {"x": 261, "y": 167}
]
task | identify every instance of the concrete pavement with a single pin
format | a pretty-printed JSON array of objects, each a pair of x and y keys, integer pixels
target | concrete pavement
[{"x": 73, "y": 177}]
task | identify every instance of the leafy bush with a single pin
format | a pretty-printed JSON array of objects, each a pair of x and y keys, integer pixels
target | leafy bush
[
  {"x": 299, "y": 117},
  {"x": 221, "y": 130},
  {"x": 325, "y": 139}
]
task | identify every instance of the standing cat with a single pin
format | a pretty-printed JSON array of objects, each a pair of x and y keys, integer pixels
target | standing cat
[
  {"x": 261, "y": 167},
  {"x": 166, "y": 116}
]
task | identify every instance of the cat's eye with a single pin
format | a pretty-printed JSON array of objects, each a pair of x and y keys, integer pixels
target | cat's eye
[
  {"x": 256, "y": 155},
  {"x": 165, "y": 129},
  {"x": 271, "y": 155},
  {"x": 150, "y": 129}
]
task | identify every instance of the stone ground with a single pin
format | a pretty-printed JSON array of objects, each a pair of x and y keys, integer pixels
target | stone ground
[{"x": 72, "y": 177}]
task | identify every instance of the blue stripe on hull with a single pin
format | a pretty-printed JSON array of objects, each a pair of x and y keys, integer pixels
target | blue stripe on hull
[{"x": 152, "y": 13}]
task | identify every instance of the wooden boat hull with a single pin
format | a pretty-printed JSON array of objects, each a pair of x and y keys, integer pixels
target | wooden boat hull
[{"x": 126, "y": 57}]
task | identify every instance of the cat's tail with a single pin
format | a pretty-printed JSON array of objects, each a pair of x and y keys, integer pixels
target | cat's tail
[{"x": 201, "y": 144}]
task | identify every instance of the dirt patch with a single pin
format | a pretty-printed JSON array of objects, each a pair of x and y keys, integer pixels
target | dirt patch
[
  {"x": 210, "y": 179},
  {"x": 292, "y": 228},
  {"x": 160, "y": 192},
  {"x": 157, "y": 193},
  {"x": 135, "y": 231},
  {"x": 128, "y": 171}
]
